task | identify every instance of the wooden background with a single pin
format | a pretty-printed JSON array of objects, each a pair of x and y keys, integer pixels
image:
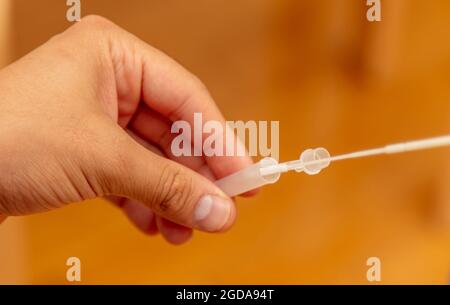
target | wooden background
[{"x": 332, "y": 79}]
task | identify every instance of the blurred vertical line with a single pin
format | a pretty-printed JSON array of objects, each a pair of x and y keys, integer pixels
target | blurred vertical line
[
  {"x": 441, "y": 208},
  {"x": 383, "y": 53},
  {"x": 346, "y": 38},
  {"x": 13, "y": 249},
  {"x": 5, "y": 37}
]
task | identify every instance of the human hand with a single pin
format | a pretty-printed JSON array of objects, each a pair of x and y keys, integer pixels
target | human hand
[{"x": 88, "y": 114}]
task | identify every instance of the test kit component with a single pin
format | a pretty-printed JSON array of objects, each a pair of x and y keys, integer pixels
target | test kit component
[
  {"x": 248, "y": 179},
  {"x": 311, "y": 162},
  {"x": 268, "y": 171}
]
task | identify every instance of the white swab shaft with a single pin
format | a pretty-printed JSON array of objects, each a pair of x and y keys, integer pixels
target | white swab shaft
[
  {"x": 397, "y": 148},
  {"x": 268, "y": 170},
  {"x": 388, "y": 149},
  {"x": 418, "y": 145}
]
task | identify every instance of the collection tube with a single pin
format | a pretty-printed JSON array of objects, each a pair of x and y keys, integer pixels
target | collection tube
[{"x": 248, "y": 179}]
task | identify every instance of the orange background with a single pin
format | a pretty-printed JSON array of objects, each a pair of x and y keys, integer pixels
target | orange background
[{"x": 332, "y": 79}]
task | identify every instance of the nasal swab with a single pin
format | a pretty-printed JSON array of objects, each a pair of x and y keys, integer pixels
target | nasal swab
[
  {"x": 321, "y": 158},
  {"x": 312, "y": 162}
]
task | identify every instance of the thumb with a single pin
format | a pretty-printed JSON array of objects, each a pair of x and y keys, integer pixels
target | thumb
[{"x": 171, "y": 190}]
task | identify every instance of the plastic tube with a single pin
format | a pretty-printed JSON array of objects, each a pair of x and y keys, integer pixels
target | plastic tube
[
  {"x": 311, "y": 162},
  {"x": 248, "y": 179}
]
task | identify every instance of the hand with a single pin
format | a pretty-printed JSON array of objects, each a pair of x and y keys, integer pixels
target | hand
[{"x": 88, "y": 114}]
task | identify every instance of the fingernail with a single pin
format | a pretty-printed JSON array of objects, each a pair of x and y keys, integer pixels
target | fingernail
[{"x": 212, "y": 213}]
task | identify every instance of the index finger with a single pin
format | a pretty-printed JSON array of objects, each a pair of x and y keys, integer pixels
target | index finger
[{"x": 171, "y": 90}]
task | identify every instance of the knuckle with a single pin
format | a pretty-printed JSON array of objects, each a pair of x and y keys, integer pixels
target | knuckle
[
  {"x": 93, "y": 29},
  {"x": 174, "y": 190},
  {"x": 92, "y": 34},
  {"x": 96, "y": 21}
]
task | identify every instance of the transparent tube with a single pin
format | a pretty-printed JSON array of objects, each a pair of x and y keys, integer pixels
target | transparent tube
[
  {"x": 248, "y": 179},
  {"x": 312, "y": 162}
]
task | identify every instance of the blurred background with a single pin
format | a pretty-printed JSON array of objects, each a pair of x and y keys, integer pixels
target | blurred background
[{"x": 332, "y": 79}]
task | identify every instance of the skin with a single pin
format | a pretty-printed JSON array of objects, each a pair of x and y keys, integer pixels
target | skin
[{"x": 88, "y": 114}]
